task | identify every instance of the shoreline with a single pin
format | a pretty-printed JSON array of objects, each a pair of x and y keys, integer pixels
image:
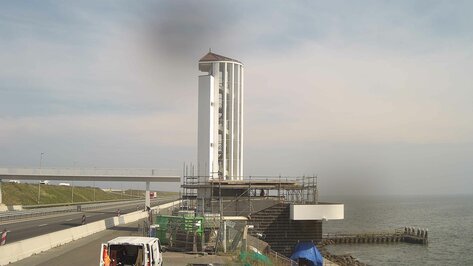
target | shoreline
[{"x": 342, "y": 260}]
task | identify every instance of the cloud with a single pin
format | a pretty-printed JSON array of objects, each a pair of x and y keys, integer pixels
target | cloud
[
  {"x": 156, "y": 140},
  {"x": 157, "y": 129},
  {"x": 368, "y": 121},
  {"x": 327, "y": 84},
  {"x": 320, "y": 93},
  {"x": 111, "y": 72}
]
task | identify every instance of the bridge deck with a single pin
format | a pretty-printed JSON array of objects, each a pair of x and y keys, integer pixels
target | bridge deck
[{"x": 99, "y": 174}]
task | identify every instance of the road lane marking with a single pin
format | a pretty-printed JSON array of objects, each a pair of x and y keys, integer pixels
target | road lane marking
[{"x": 42, "y": 225}]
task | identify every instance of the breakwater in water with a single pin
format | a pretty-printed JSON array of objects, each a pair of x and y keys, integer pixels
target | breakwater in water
[{"x": 407, "y": 235}]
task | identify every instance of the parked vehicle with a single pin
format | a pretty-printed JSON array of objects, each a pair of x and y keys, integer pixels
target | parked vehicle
[
  {"x": 14, "y": 181},
  {"x": 44, "y": 182},
  {"x": 132, "y": 250}
]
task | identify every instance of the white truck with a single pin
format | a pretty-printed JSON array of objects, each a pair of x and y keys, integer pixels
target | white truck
[{"x": 132, "y": 250}]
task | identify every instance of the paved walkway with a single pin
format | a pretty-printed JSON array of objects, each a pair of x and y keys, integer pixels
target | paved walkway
[
  {"x": 86, "y": 251},
  {"x": 181, "y": 259}
]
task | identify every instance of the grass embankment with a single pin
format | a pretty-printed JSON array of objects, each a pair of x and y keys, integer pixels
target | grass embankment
[{"x": 27, "y": 194}]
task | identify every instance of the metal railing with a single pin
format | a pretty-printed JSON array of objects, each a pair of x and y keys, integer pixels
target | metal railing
[
  {"x": 299, "y": 190},
  {"x": 279, "y": 259},
  {"x": 89, "y": 171},
  {"x": 275, "y": 257}
]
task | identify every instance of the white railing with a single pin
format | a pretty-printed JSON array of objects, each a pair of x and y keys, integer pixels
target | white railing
[{"x": 89, "y": 171}]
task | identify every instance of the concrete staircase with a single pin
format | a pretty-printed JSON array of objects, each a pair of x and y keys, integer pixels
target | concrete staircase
[{"x": 281, "y": 232}]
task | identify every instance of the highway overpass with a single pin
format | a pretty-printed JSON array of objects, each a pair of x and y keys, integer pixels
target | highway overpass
[{"x": 92, "y": 174}]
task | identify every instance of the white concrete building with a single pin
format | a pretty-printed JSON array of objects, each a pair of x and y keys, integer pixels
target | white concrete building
[{"x": 220, "y": 130}]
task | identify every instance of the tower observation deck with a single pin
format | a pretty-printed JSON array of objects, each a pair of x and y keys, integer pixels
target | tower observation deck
[{"x": 220, "y": 119}]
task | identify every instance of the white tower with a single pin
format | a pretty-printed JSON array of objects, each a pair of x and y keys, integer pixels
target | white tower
[{"x": 220, "y": 130}]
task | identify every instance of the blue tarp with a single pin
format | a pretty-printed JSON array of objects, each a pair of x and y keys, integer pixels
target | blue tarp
[{"x": 308, "y": 251}]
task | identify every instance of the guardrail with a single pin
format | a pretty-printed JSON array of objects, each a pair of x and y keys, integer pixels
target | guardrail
[
  {"x": 13, "y": 215},
  {"x": 36, "y": 206}
]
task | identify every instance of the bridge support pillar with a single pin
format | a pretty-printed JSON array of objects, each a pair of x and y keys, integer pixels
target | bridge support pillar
[{"x": 147, "y": 197}]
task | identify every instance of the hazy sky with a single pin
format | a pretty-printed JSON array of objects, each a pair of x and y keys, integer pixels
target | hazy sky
[{"x": 376, "y": 97}]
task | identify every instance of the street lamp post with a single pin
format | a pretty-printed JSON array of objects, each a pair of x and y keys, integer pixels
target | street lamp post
[
  {"x": 41, "y": 161},
  {"x": 94, "y": 190},
  {"x": 72, "y": 196},
  {"x": 39, "y": 184},
  {"x": 39, "y": 190}
]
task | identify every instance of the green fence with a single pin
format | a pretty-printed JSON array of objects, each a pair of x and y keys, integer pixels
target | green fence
[{"x": 170, "y": 224}]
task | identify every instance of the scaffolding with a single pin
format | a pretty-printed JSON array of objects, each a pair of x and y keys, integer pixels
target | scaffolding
[
  {"x": 219, "y": 201},
  {"x": 241, "y": 197},
  {"x": 189, "y": 192}
]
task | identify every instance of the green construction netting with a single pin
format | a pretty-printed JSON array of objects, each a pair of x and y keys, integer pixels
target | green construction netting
[{"x": 254, "y": 258}]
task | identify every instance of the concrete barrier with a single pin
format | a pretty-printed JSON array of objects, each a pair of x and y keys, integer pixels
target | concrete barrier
[
  {"x": 22, "y": 249},
  {"x": 4, "y": 208}
]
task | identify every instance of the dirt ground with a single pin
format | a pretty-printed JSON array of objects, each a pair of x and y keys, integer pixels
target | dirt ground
[{"x": 177, "y": 258}]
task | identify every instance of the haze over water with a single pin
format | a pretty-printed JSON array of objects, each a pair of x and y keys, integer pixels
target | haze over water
[{"x": 449, "y": 220}]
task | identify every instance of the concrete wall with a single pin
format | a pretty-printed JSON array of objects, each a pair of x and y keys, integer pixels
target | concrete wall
[
  {"x": 205, "y": 133},
  {"x": 281, "y": 232},
  {"x": 317, "y": 211},
  {"x": 22, "y": 249},
  {"x": 4, "y": 208}
]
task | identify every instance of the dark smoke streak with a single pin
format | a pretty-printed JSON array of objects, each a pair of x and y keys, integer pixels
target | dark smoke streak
[{"x": 178, "y": 30}]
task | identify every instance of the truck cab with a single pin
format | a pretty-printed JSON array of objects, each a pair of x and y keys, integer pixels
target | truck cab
[{"x": 131, "y": 250}]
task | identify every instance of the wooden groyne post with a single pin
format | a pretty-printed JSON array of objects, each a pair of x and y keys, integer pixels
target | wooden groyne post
[{"x": 415, "y": 235}]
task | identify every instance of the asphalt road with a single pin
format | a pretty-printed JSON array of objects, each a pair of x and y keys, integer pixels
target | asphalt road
[
  {"x": 36, "y": 226},
  {"x": 86, "y": 251}
]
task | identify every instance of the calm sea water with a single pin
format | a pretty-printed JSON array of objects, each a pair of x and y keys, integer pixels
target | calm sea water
[{"x": 448, "y": 218}]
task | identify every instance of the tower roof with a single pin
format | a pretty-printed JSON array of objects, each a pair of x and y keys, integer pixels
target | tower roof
[{"x": 216, "y": 57}]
